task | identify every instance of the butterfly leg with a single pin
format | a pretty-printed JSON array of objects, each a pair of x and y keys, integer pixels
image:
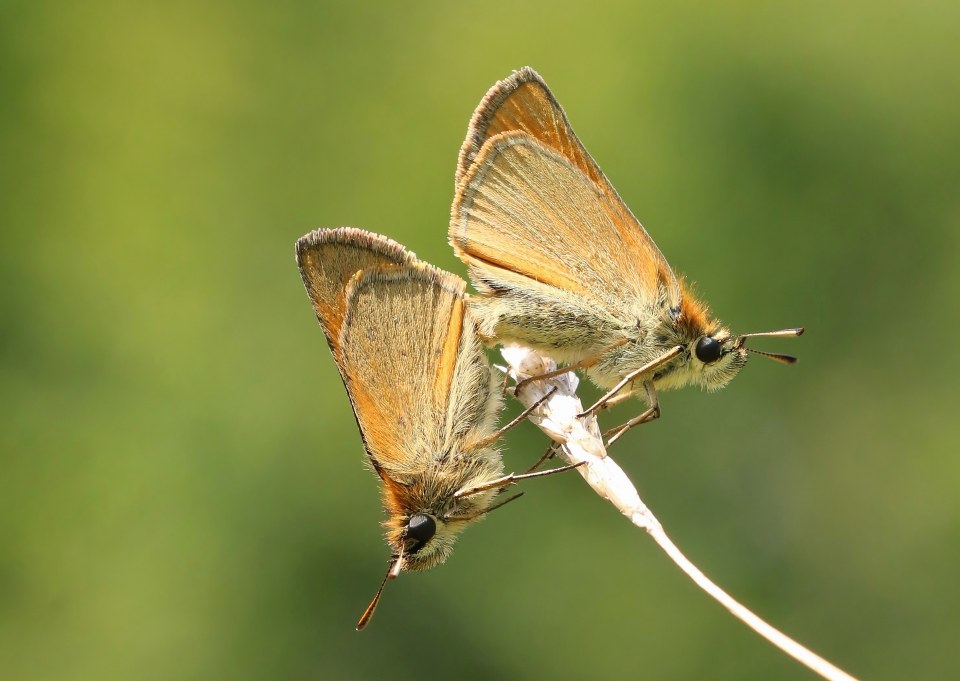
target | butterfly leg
[
  {"x": 547, "y": 374},
  {"x": 652, "y": 413},
  {"x": 510, "y": 479},
  {"x": 546, "y": 455},
  {"x": 522, "y": 416},
  {"x": 584, "y": 363},
  {"x": 506, "y": 381},
  {"x": 629, "y": 378},
  {"x": 621, "y": 397},
  {"x": 492, "y": 507}
]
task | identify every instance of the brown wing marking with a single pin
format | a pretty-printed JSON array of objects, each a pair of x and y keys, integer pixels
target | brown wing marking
[{"x": 328, "y": 258}]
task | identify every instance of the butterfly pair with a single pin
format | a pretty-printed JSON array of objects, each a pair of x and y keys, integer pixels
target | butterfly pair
[{"x": 561, "y": 265}]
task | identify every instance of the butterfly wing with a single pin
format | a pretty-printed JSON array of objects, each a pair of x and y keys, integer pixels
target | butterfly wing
[
  {"x": 524, "y": 103},
  {"x": 328, "y": 259},
  {"x": 414, "y": 368},
  {"x": 530, "y": 200}
]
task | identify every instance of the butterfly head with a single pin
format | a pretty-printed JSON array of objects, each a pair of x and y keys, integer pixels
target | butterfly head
[
  {"x": 714, "y": 359},
  {"x": 712, "y": 355},
  {"x": 425, "y": 516}
]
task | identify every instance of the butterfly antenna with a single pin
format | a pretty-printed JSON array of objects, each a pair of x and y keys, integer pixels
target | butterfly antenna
[
  {"x": 775, "y": 356},
  {"x": 392, "y": 573},
  {"x": 782, "y": 333}
]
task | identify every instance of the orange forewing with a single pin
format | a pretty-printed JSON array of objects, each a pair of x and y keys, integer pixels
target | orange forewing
[
  {"x": 525, "y": 208},
  {"x": 399, "y": 350},
  {"x": 524, "y": 103},
  {"x": 328, "y": 258},
  {"x": 521, "y": 110}
]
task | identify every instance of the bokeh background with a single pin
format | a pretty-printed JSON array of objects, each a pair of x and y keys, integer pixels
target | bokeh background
[{"x": 182, "y": 492}]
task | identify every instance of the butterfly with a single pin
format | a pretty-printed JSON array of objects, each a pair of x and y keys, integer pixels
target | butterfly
[
  {"x": 423, "y": 393},
  {"x": 563, "y": 266}
]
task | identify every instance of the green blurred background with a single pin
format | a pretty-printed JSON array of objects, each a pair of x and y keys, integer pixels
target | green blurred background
[{"x": 182, "y": 493}]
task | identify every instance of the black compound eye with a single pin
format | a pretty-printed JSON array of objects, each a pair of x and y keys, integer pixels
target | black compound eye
[
  {"x": 420, "y": 528},
  {"x": 708, "y": 349}
]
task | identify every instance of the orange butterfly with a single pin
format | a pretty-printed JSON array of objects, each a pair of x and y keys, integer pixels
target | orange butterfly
[
  {"x": 422, "y": 391},
  {"x": 563, "y": 266}
]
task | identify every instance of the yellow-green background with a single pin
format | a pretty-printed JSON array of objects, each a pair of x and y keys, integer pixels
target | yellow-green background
[{"x": 182, "y": 494}]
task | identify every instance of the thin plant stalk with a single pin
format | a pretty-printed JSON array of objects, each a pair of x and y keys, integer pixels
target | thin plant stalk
[{"x": 580, "y": 440}]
